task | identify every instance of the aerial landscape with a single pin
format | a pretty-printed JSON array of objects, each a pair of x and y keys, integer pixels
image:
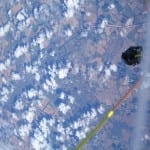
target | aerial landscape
[{"x": 64, "y": 66}]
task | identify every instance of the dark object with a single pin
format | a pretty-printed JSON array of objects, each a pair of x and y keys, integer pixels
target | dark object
[{"x": 132, "y": 55}]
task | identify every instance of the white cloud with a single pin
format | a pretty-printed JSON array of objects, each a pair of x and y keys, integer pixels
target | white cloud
[
  {"x": 62, "y": 95},
  {"x": 36, "y": 144},
  {"x": 75, "y": 125},
  {"x": 39, "y": 135},
  {"x": 71, "y": 99},
  {"x": 93, "y": 113},
  {"x": 123, "y": 32},
  {"x": 2, "y": 67},
  {"x": 147, "y": 137},
  {"x": 104, "y": 23},
  {"x": 72, "y": 6},
  {"x": 64, "y": 108},
  {"x": 80, "y": 134},
  {"x": 7, "y": 62},
  {"x": 4, "y": 94},
  {"x": 4, "y": 80},
  {"x": 37, "y": 76},
  {"x": 51, "y": 122},
  {"x": 40, "y": 40},
  {"x": 20, "y": 50},
  {"x": 51, "y": 83},
  {"x": 28, "y": 68},
  {"x": 62, "y": 73},
  {"x": 107, "y": 73},
  {"x": 4, "y": 29},
  {"x": 36, "y": 13},
  {"x": 32, "y": 69},
  {"x": 45, "y": 87},
  {"x": 101, "y": 109},
  {"x": 113, "y": 67},
  {"x": 29, "y": 115},
  {"x": 52, "y": 53},
  {"x": 4, "y": 91},
  {"x": 111, "y": 6},
  {"x": 32, "y": 93},
  {"x": 68, "y": 32},
  {"x": 39, "y": 141},
  {"x": 49, "y": 34},
  {"x": 20, "y": 16},
  {"x": 19, "y": 105},
  {"x": 44, "y": 127},
  {"x": 129, "y": 22},
  {"x": 14, "y": 116},
  {"x": 15, "y": 76},
  {"x": 82, "y": 125},
  {"x": 4, "y": 98},
  {"x": 100, "y": 68},
  {"x": 60, "y": 138},
  {"x": 24, "y": 130},
  {"x": 52, "y": 70},
  {"x": 23, "y": 23},
  {"x": 60, "y": 129},
  {"x": 64, "y": 147}
]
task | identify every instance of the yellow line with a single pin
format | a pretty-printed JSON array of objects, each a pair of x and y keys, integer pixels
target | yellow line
[{"x": 95, "y": 130}]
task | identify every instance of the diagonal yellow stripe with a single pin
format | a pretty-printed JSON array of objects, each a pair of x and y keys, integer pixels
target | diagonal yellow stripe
[{"x": 95, "y": 130}]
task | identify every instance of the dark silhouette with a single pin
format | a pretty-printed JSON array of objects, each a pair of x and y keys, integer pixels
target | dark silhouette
[{"x": 133, "y": 55}]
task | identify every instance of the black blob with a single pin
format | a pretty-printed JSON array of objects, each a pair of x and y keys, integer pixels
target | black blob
[{"x": 133, "y": 55}]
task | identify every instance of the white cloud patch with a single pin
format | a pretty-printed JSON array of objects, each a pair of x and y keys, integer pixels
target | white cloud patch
[
  {"x": 68, "y": 32},
  {"x": 101, "y": 109},
  {"x": 32, "y": 93},
  {"x": 62, "y": 73},
  {"x": 50, "y": 84},
  {"x": 24, "y": 130},
  {"x": 83, "y": 123},
  {"x": 4, "y": 29},
  {"x": 20, "y": 16},
  {"x": 19, "y": 105},
  {"x": 29, "y": 115},
  {"x": 113, "y": 68},
  {"x": 62, "y": 95},
  {"x": 15, "y": 76},
  {"x": 80, "y": 134},
  {"x": 72, "y": 6},
  {"x": 2, "y": 67},
  {"x": 20, "y": 50},
  {"x": 107, "y": 73},
  {"x": 64, "y": 108},
  {"x": 4, "y": 91},
  {"x": 71, "y": 99},
  {"x": 37, "y": 76},
  {"x": 40, "y": 40},
  {"x": 44, "y": 127},
  {"x": 111, "y": 6},
  {"x": 104, "y": 23},
  {"x": 39, "y": 140}
]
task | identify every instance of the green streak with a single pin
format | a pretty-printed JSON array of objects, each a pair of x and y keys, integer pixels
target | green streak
[
  {"x": 138, "y": 55},
  {"x": 93, "y": 132}
]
